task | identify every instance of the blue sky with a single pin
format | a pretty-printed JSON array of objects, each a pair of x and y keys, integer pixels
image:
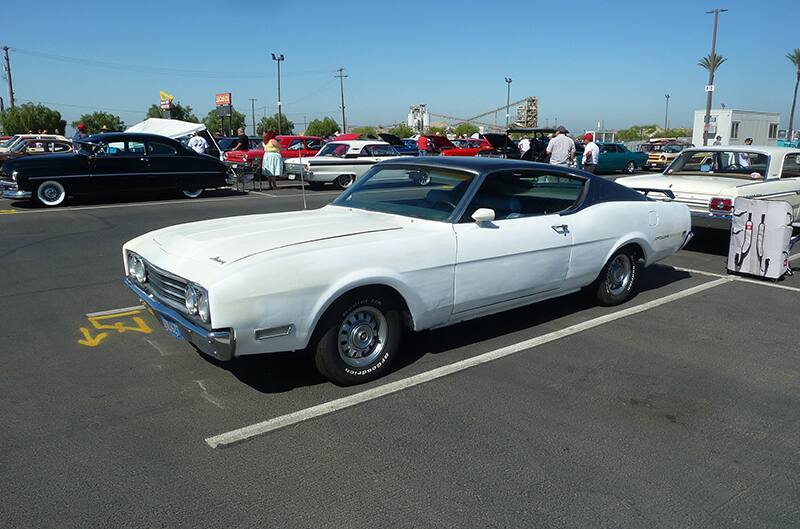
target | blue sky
[{"x": 586, "y": 61}]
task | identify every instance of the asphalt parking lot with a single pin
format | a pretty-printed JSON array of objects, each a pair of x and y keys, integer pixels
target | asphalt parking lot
[{"x": 678, "y": 409}]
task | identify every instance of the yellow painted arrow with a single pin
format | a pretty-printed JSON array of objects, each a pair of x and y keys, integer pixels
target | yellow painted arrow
[{"x": 89, "y": 340}]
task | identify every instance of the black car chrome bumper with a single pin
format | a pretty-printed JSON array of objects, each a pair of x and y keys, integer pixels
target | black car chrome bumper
[
  {"x": 10, "y": 190},
  {"x": 219, "y": 344}
]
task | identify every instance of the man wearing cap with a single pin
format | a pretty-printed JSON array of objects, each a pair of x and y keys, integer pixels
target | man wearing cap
[
  {"x": 591, "y": 153},
  {"x": 561, "y": 148},
  {"x": 81, "y": 133}
]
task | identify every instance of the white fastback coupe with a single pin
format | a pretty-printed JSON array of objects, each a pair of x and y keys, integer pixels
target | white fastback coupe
[{"x": 416, "y": 243}]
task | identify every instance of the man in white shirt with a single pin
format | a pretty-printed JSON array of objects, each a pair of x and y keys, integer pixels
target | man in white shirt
[
  {"x": 524, "y": 145},
  {"x": 561, "y": 148},
  {"x": 591, "y": 153},
  {"x": 198, "y": 143}
]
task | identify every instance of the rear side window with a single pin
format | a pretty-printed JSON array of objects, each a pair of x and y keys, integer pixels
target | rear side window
[
  {"x": 136, "y": 147},
  {"x": 157, "y": 148},
  {"x": 378, "y": 150},
  {"x": 791, "y": 166}
]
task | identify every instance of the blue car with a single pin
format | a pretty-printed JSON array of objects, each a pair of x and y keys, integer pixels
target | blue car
[{"x": 404, "y": 147}]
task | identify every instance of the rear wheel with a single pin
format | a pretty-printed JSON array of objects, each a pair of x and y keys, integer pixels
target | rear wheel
[
  {"x": 192, "y": 193},
  {"x": 630, "y": 168},
  {"x": 617, "y": 281},
  {"x": 344, "y": 181},
  {"x": 51, "y": 193},
  {"x": 357, "y": 337}
]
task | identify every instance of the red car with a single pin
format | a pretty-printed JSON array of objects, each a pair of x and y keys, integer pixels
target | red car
[
  {"x": 291, "y": 147},
  {"x": 448, "y": 148}
]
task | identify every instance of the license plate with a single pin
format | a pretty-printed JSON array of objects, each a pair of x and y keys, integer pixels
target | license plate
[
  {"x": 172, "y": 328},
  {"x": 291, "y": 176}
]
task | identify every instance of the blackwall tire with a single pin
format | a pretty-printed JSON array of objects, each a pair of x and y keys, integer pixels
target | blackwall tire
[
  {"x": 344, "y": 181},
  {"x": 358, "y": 337},
  {"x": 617, "y": 281},
  {"x": 51, "y": 193}
]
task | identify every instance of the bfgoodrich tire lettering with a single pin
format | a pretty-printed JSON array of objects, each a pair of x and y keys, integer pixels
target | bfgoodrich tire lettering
[{"x": 358, "y": 337}]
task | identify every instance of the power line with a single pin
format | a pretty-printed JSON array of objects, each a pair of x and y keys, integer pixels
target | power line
[{"x": 92, "y": 107}]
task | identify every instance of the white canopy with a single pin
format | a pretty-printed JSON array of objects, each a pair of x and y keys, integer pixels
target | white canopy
[{"x": 171, "y": 128}]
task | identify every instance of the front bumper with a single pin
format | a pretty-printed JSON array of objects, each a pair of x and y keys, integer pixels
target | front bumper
[
  {"x": 709, "y": 220},
  {"x": 10, "y": 190},
  {"x": 219, "y": 344}
]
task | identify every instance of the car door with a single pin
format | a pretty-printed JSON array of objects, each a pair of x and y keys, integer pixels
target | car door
[
  {"x": 525, "y": 252},
  {"x": 609, "y": 159},
  {"x": 295, "y": 148},
  {"x": 165, "y": 165},
  {"x": 313, "y": 145},
  {"x": 115, "y": 168}
]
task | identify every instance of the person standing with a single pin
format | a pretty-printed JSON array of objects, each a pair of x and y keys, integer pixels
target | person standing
[
  {"x": 561, "y": 148},
  {"x": 242, "y": 142},
  {"x": 591, "y": 153},
  {"x": 272, "y": 163},
  {"x": 198, "y": 143},
  {"x": 423, "y": 144},
  {"x": 718, "y": 140},
  {"x": 81, "y": 132},
  {"x": 524, "y": 146}
]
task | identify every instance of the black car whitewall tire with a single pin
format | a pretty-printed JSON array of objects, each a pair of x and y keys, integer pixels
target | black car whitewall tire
[
  {"x": 617, "y": 281},
  {"x": 192, "y": 193},
  {"x": 51, "y": 193},
  {"x": 357, "y": 337},
  {"x": 344, "y": 181}
]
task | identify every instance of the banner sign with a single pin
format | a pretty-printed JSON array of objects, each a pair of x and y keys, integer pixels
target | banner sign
[{"x": 222, "y": 99}]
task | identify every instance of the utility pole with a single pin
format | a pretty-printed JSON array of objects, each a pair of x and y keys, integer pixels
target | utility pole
[
  {"x": 508, "y": 100},
  {"x": 8, "y": 74},
  {"x": 341, "y": 77},
  {"x": 253, "y": 113},
  {"x": 713, "y": 66},
  {"x": 666, "y": 113},
  {"x": 279, "y": 58}
]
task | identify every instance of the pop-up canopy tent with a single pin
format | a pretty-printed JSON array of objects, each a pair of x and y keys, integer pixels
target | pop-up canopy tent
[{"x": 175, "y": 129}]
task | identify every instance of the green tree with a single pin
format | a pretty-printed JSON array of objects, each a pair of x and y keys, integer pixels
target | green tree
[
  {"x": 402, "y": 131},
  {"x": 436, "y": 131},
  {"x": 179, "y": 112},
  {"x": 94, "y": 122},
  {"x": 711, "y": 62},
  {"x": 271, "y": 123},
  {"x": 794, "y": 58},
  {"x": 30, "y": 117},
  {"x": 214, "y": 125},
  {"x": 322, "y": 127},
  {"x": 637, "y": 132},
  {"x": 465, "y": 129},
  {"x": 365, "y": 131}
]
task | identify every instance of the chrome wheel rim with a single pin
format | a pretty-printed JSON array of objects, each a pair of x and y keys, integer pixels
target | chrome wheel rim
[
  {"x": 344, "y": 181},
  {"x": 630, "y": 168},
  {"x": 192, "y": 193},
  {"x": 362, "y": 336},
  {"x": 51, "y": 193},
  {"x": 619, "y": 275}
]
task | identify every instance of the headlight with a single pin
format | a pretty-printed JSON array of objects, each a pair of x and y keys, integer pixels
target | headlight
[
  {"x": 190, "y": 299},
  {"x": 202, "y": 306},
  {"x": 136, "y": 267}
]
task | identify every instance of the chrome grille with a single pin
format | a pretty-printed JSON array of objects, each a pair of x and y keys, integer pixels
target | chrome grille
[{"x": 167, "y": 287}]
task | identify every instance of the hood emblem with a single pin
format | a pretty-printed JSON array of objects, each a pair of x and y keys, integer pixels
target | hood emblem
[{"x": 217, "y": 259}]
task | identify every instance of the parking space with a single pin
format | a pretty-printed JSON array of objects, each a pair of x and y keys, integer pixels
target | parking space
[{"x": 676, "y": 409}]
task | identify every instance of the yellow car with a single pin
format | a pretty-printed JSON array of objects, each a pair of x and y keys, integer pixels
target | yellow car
[{"x": 662, "y": 155}]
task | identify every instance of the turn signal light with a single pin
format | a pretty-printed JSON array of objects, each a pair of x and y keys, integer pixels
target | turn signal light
[{"x": 720, "y": 205}]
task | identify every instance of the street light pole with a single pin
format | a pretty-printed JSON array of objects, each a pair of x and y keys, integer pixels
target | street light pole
[
  {"x": 712, "y": 67},
  {"x": 279, "y": 58},
  {"x": 341, "y": 77},
  {"x": 508, "y": 100},
  {"x": 666, "y": 113},
  {"x": 253, "y": 113}
]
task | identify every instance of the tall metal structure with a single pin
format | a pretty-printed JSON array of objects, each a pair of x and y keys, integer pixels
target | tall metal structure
[
  {"x": 341, "y": 77},
  {"x": 666, "y": 112},
  {"x": 508, "y": 100},
  {"x": 710, "y": 87},
  {"x": 253, "y": 113},
  {"x": 7, "y": 68},
  {"x": 279, "y": 59}
]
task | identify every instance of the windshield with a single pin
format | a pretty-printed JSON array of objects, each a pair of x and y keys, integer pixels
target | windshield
[
  {"x": 21, "y": 146},
  {"x": 9, "y": 141},
  {"x": 334, "y": 149},
  {"x": 672, "y": 148},
  {"x": 419, "y": 192},
  {"x": 730, "y": 164}
]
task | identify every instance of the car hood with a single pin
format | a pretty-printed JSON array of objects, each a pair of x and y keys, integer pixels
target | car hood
[
  {"x": 228, "y": 240},
  {"x": 686, "y": 185}
]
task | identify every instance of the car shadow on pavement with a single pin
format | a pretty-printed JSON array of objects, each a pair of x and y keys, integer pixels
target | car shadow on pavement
[
  {"x": 710, "y": 241},
  {"x": 281, "y": 372},
  {"x": 125, "y": 198}
]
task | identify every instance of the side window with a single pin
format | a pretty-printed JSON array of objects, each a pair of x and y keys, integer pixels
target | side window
[
  {"x": 157, "y": 148},
  {"x": 791, "y": 166},
  {"x": 377, "y": 150},
  {"x": 136, "y": 147},
  {"x": 113, "y": 148},
  {"x": 525, "y": 194},
  {"x": 61, "y": 147},
  {"x": 296, "y": 145},
  {"x": 313, "y": 145}
]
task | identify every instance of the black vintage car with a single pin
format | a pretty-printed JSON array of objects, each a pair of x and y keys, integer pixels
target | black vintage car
[{"x": 113, "y": 162}]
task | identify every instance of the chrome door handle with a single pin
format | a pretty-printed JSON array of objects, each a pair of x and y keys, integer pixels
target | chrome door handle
[{"x": 561, "y": 229}]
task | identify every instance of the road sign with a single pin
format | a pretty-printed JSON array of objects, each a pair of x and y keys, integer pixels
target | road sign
[
  {"x": 222, "y": 99},
  {"x": 709, "y": 88},
  {"x": 224, "y": 110}
]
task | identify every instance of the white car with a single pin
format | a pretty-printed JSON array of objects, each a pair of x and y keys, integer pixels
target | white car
[
  {"x": 9, "y": 144},
  {"x": 708, "y": 179},
  {"x": 416, "y": 243},
  {"x": 339, "y": 162}
]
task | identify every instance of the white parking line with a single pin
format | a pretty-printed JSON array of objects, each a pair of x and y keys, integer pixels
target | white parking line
[
  {"x": 239, "y": 435},
  {"x": 761, "y": 282}
]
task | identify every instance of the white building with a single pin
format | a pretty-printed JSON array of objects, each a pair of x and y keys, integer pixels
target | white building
[{"x": 736, "y": 125}]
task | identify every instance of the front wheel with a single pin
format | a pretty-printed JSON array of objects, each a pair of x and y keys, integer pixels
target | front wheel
[
  {"x": 617, "y": 281},
  {"x": 51, "y": 193},
  {"x": 192, "y": 193},
  {"x": 357, "y": 337},
  {"x": 630, "y": 168},
  {"x": 344, "y": 181}
]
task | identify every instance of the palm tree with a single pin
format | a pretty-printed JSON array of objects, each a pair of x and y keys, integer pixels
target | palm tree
[
  {"x": 711, "y": 62},
  {"x": 794, "y": 57}
]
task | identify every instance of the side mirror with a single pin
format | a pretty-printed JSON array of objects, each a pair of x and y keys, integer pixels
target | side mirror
[{"x": 482, "y": 215}]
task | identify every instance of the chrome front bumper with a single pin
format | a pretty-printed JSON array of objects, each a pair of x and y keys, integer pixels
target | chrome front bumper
[
  {"x": 218, "y": 344},
  {"x": 10, "y": 190}
]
